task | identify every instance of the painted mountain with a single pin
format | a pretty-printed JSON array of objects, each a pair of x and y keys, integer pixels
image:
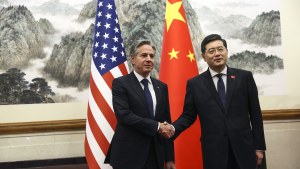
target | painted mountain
[
  {"x": 264, "y": 30},
  {"x": 22, "y": 37},
  {"x": 69, "y": 61}
]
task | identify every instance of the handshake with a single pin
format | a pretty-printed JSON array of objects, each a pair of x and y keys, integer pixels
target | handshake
[{"x": 166, "y": 130}]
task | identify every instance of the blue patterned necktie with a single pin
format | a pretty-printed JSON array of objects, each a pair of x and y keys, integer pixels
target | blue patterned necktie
[
  {"x": 221, "y": 88},
  {"x": 148, "y": 97}
]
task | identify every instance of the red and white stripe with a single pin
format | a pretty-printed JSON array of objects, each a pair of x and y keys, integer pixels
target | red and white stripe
[{"x": 101, "y": 120}]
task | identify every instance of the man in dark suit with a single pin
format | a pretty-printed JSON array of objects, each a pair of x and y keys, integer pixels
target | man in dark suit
[
  {"x": 141, "y": 109},
  {"x": 226, "y": 101}
]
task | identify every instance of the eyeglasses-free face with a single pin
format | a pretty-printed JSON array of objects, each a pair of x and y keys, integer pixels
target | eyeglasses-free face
[{"x": 144, "y": 60}]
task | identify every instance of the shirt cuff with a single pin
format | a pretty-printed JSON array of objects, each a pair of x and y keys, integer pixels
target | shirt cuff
[{"x": 158, "y": 126}]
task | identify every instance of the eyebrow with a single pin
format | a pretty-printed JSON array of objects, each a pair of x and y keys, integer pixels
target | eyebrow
[
  {"x": 216, "y": 47},
  {"x": 145, "y": 53}
]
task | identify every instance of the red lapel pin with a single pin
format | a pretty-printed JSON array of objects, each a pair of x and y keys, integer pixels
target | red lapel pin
[{"x": 232, "y": 77}]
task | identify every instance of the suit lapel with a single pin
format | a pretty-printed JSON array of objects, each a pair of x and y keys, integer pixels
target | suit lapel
[
  {"x": 231, "y": 81},
  {"x": 211, "y": 86},
  {"x": 134, "y": 82}
]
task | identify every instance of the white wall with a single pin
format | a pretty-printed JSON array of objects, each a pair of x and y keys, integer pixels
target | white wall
[
  {"x": 283, "y": 144},
  {"x": 38, "y": 146},
  {"x": 282, "y": 138}
]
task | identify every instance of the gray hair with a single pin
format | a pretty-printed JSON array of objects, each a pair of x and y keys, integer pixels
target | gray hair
[{"x": 139, "y": 43}]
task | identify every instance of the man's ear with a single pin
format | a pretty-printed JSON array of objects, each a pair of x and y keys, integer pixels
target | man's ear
[
  {"x": 132, "y": 60},
  {"x": 203, "y": 56}
]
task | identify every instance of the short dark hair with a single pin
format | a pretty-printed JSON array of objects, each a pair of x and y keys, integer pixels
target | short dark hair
[
  {"x": 210, "y": 38},
  {"x": 139, "y": 43}
]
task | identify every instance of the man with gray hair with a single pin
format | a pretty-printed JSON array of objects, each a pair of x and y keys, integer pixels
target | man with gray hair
[{"x": 141, "y": 106}]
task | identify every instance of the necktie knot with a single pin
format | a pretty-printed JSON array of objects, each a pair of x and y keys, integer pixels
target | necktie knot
[
  {"x": 145, "y": 82},
  {"x": 219, "y": 75}
]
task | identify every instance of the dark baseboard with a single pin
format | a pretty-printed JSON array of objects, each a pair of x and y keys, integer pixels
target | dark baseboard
[{"x": 43, "y": 163}]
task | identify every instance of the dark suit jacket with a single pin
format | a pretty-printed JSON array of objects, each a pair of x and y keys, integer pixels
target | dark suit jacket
[
  {"x": 135, "y": 129},
  {"x": 238, "y": 123}
]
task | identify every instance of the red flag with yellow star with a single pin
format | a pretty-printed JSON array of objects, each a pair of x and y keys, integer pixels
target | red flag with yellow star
[{"x": 178, "y": 64}]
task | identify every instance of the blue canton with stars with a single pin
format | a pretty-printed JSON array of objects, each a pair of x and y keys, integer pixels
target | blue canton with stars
[{"x": 108, "y": 50}]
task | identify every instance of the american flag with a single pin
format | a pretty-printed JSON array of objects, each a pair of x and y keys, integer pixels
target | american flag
[{"x": 108, "y": 62}]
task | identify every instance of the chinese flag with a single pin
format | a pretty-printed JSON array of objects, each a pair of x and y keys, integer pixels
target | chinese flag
[{"x": 178, "y": 64}]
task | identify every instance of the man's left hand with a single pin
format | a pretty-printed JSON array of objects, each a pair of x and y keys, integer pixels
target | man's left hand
[
  {"x": 259, "y": 157},
  {"x": 170, "y": 165}
]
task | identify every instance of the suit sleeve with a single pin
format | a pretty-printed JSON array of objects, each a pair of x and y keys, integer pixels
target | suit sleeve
[
  {"x": 124, "y": 114},
  {"x": 255, "y": 114},
  {"x": 189, "y": 115}
]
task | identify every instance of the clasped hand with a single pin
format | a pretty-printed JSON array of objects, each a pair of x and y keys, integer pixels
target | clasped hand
[{"x": 166, "y": 130}]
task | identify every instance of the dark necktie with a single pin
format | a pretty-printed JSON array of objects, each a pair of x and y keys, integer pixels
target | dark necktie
[
  {"x": 221, "y": 88},
  {"x": 148, "y": 97}
]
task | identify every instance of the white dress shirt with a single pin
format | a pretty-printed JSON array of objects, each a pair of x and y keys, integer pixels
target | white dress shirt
[{"x": 215, "y": 78}]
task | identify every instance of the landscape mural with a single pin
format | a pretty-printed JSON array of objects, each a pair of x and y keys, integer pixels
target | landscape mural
[{"x": 46, "y": 45}]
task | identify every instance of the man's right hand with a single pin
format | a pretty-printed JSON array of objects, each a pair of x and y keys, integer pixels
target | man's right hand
[{"x": 166, "y": 130}]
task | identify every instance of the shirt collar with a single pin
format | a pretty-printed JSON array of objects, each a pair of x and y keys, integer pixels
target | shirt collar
[
  {"x": 214, "y": 73},
  {"x": 140, "y": 78}
]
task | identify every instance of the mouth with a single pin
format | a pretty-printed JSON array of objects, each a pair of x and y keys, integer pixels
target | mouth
[
  {"x": 218, "y": 59},
  {"x": 148, "y": 65}
]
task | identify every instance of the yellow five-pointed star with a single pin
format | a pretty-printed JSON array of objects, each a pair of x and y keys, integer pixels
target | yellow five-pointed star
[
  {"x": 172, "y": 12},
  {"x": 191, "y": 56},
  {"x": 173, "y": 54}
]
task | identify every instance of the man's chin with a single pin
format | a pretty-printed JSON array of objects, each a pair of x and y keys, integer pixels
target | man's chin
[
  {"x": 148, "y": 69},
  {"x": 219, "y": 64}
]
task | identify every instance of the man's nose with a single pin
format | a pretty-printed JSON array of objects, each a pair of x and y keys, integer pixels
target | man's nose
[{"x": 217, "y": 52}]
